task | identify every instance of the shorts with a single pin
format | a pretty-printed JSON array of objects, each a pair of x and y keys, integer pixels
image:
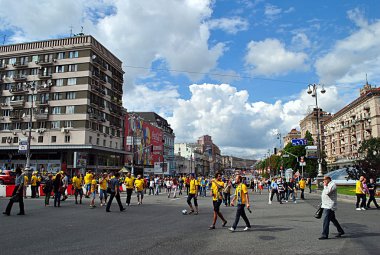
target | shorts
[
  {"x": 191, "y": 196},
  {"x": 103, "y": 193},
  {"x": 78, "y": 191},
  {"x": 216, "y": 205},
  {"x": 140, "y": 193}
]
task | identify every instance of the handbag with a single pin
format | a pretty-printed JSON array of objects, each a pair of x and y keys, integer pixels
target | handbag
[
  {"x": 109, "y": 191},
  {"x": 318, "y": 213},
  {"x": 15, "y": 198}
]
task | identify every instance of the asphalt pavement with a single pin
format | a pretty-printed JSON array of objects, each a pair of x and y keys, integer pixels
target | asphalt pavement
[{"x": 158, "y": 227}]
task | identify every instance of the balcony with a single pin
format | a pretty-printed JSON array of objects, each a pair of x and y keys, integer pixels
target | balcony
[
  {"x": 44, "y": 76},
  {"x": 41, "y": 103},
  {"x": 15, "y": 116},
  {"x": 2, "y": 66},
  {"x": 45, "y": 62},
  {"x": 20, "y": 77},
  {"x": 17, "y": 103},
  {"x": 44, "y": 87},
  {"x": 41, "y": 116},
  {"x": 20, "y": 64},
  {"x": 18, "y": 90}
]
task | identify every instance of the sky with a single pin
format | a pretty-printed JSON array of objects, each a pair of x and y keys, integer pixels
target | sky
[{"x": 236, "y": 70}]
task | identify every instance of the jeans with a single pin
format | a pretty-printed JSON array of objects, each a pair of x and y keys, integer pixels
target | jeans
[
  {"x": 157, "y": 189},
  {"x": 151, "y": 190},
  {"x": 117, "y": 196},
  {"x": 241, "y": 212},
  {"x": 57, "y": 198},
  {"x": 327, "y": 216},
  {"x": 363, "y": 198},
  {"x": 129, "y": 195},
  {"x": 275, "y": 191},
  {"x": 293, "y": 195},
  {"x": 21, "y": 202},
  {"x": 227, "y": 199},
  {"x": 47, "y": 198},
  {"x": 34, "y": 191}
]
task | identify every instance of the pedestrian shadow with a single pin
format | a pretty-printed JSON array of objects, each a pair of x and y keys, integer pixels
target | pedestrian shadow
[
  {"x": 269, "y": 228},
  {"x": 360, "y": 235},
  {"x": 267, "y": 238}
]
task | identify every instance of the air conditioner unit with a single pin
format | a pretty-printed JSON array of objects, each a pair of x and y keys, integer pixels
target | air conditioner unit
[
  {"x": 14, "y": 133},
  {"x": 24, "y": 132},
  {"x": 62, "y": 130},
  {"x": 55, "y": 60},
  {"x": 36, "y": 62}
]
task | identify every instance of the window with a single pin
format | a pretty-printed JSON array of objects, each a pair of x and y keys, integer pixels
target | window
[
  {"x": 34, "y": 58},
  {"x": 97, "y": 141},
  {"x": 70, "y": 95},
  {"x": 40, "y": 139},
  {"x": 116, "y": 145},
  {"x": 30, "y": 98},
  {"x": 110, "y": 143},
  {"x": 73, "y": 54},
  {"x": 59, "y": 82},
  {"x": 55, "y": 124},
  {"x": 15, "y": 139},
  {"x": 41, "y": 124},
  {"x": 67, "y": 138},
  {"x": 72, "y": 81},
  {"x": 17, "y": 125},
  {"x": 61, "y": 55},
  {"x": 90, "y": 139},
  {"x": 56, "y": 110},
  {"x": 6, "y": 113},
  {"x": 104, "y": 143},
  {"x": 6, "y": 126},
  {"x": 53, "y": 139},
  {"x": 57, "y": 96},
  {"x": 73, "y": 68},
  {"x": 70, "y": 109},
  {"x": 60, "y": 69},
  {"x": 68, "y": 124},
  {"x": 12, "y": 61},
  {"x": 3, "y": 139},
  {"x": 33, "y": 71}
]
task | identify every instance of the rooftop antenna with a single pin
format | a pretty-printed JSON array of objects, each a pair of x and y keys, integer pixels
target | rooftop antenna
[
  {"x": 71, "y": 31},
  {"x": 81, "y": 31},
  {"x": 366, "y": 79},
  {"x": 4, "y": 37}
]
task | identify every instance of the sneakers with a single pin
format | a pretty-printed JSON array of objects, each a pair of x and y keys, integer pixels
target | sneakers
[
  {"x": 196, "y": 213},
  {"x": 231, "y": 229},
  {"x": 295, "y": 202},
  {"x": 247, "y": 228},
  {"x": 363, "y": 209},
  {"x": 224, "y": 224},
  {"x": 339, "y": 234},
  {"x": 358, "y": 209},
  {"x": 211, "y": 227},
  {"x": 270, "y": 202}
]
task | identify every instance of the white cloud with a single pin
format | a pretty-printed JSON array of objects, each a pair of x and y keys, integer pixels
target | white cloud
[
  {"x": 229, "y": 25},
  {"x": 236, "y": 124},
  {"x": 353, "y": 56},
  {"x": 272, "y": 10},
  {"x": 269, "y": 57},
  {"x": 300, "y": 41}
]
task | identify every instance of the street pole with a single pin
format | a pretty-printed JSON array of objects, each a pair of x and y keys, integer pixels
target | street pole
[{"x": 28, "y": 154}]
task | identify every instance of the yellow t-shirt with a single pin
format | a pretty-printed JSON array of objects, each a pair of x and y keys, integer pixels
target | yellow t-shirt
[
  {"x": 193, "y": 187},
  {"x": 359, "y": 187},
  {"x": 217, "y": 190},
  {"x": 139, "y": 184},
  {"x": 33, "y": 181},
  {"x": 88, "y": 178},
  {"x": 129, "y": 182},
  {"x": 302, "y": 184},
  {"x": 240, "y": 192},
  {"x": 77, "y": 183},
  {"x": 103, "y": 184},
  {"x": 93, "y": 185},
  {"x": 26, "y": 179}
]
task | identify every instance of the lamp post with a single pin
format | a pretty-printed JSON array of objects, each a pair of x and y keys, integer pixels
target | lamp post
[
  {"x": 32, "y": 87},
  {"x": 312, "y": 90}
]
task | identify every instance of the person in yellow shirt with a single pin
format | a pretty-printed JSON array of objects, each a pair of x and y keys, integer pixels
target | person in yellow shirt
[
  {"x": 87, "y": 182},
  {"x": 26, "y": 181},
  {"x": 193, "y": 194},
  {"x": 94, "y": 189},
  {"x": 217, "y": 198},
  {"x": 242, "y": 198},
  {"x": 103, "y": 185},
  {"x": 139, "y": 186},
  {"x": 302, "y": 184},
  {"x": 129, "y": 180},
  {"x": 360, "y": 194},
  {"x": 33, "y": 184},
  {"x": 78, "y": 188}
]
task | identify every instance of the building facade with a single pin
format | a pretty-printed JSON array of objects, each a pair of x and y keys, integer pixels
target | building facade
[
  {"x": 293, "y": 134},
  {"x": 68, "y": 92},
  {"x": 309, "y": 123},
  {"x": 344, "y": 132},
  {"x": 212, "y": 151}
]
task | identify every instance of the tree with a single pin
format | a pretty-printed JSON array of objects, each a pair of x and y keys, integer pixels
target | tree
[{"x": 369, "y": 166}]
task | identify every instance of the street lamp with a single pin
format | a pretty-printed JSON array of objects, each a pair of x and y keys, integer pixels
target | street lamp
[
  {"x": 32, "y": 87},
  {"x": 312, "y": 90}
]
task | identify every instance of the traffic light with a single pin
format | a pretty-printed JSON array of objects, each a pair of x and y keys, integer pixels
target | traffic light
[{"x": 275, "y": 151}]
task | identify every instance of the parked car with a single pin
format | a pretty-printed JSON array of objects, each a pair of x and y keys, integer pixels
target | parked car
[{"x": 7, "y": 177}]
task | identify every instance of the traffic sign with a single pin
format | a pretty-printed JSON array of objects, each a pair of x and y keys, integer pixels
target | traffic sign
[
  {"x": 285, "y": 156},
  {"x": 22, "y": 146},
  {"x": 296, "y": 142}
]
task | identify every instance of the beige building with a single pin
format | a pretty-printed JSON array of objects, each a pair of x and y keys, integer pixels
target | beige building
[
  {"x": 73, "y": 88},
  {"x": 344, "y": 132},
  {"x": 293, "y": 134},
  {"x": 309, "y": 123}
]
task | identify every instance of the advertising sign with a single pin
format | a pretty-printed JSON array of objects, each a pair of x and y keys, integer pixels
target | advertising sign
[{"x": 22, "y": 146}]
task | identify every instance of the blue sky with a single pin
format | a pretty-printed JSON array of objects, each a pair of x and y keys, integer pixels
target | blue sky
[{"x": 265, "y": 52}]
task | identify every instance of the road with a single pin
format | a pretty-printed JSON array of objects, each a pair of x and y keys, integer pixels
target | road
[{"x": 158, "y": 227}]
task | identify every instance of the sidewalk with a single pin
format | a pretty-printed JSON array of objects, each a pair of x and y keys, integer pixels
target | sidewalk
[{"x": 341, "y": 197}]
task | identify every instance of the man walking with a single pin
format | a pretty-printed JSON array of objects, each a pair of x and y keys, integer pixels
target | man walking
[
  {"x": 217, "y": 198},
  {"x": 242, "y": 198},
  {"x": 302, "y": 184},
  {"x": 139, "y": 186},
  {"x": 329, "y": 205},
  {"x": 372, "y": 191},
  {"x": 129, "y": 186},
  {"x": 78, "y": 188},
  {"x": 274, "y": 190},
  {"x": 17, "y": 194},
  {"x": 193, "y": 193},
  {"x": 115, "y": 193},
  {"x": 360, "y": 194}
]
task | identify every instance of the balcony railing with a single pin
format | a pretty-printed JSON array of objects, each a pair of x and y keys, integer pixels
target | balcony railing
[
  {"x": 18, "y": 90},
  {"x": 20, "y": 64},
  {"x": 17, "y": 103},
  {"x": 44, "y": 76},
  {"x": 41, "y": 116},
  {"x": 20, "y": 77}
]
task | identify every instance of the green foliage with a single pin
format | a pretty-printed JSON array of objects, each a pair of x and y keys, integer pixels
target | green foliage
[{"x": 369, "y": 166}]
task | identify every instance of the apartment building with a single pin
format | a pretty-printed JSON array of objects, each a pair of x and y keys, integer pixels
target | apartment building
[
  {"x": 69, "y": 93},
  {"x": 309, "y": 123},
  {"x": 344, "y": 132},
  {"x": 293, "y": 134}
]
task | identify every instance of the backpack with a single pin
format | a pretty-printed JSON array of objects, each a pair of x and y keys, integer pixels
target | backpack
[{"x": 48, "y": 186}]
